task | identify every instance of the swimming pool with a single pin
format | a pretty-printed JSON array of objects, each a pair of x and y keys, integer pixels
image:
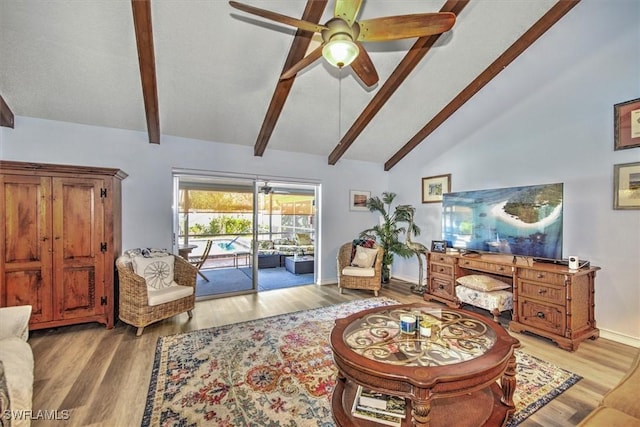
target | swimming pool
[{"x": 228, "y": 247}]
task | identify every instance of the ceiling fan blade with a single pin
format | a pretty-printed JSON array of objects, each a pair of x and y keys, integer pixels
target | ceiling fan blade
[
  {"x": 283, "y": 19},
  {"x": 347, "y": 10},
  {"x": 303, "y": 63},
  {"x": 405, "y": 26},
  {"x": 363, "y": 67}
]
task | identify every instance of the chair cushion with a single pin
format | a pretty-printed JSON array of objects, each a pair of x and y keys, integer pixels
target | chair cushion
[
  {"x": 483, "y": 283},
  {"x": 364, "y": 257},
  {"x": 359, "y": 271},
  {"x": 168, "y": 294},
  {"x": 157, "y": 271}
]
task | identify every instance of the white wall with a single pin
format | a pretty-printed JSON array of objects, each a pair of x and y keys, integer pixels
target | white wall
[
  {"x": 147, "y": 191},
  {"x": 546, "y": 118}
]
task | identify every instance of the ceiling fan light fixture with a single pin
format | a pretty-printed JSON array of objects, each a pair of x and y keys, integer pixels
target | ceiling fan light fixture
[{"x": 340, "y": 51}]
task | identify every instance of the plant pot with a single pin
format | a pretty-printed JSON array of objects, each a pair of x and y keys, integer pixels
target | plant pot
[{"x": 386, "y": 274}]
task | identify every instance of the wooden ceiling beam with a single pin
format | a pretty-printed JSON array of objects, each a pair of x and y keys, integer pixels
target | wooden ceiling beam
[
  {"x": 312, "y": 13},
  {"x": 561, "y": 8},
  {"x": 147, "y": 61},
  {"x": 402, "y": 71},
  {"x": 6, "y": 115}
]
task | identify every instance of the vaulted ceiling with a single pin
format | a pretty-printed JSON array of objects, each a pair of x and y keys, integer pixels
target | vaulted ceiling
[{"x": 199, "y": 69}]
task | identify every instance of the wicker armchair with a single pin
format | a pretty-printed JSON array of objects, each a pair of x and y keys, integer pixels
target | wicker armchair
[
  {"x": 347, "y": 281},
  {"x": 133, "y": 305}
]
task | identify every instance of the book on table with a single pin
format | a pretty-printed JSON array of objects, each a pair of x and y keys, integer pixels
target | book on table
[{"x": 379, "y": 407}]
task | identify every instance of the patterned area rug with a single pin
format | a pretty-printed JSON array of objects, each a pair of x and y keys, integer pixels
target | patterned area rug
[{"x": 279, "y": 372}]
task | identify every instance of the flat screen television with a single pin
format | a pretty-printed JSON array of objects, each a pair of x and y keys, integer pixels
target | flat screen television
[{"x": 523, "y": 221}]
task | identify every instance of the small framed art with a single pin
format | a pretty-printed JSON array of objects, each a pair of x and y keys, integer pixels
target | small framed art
[
  {"x": 358, "y": 200},
  {"x": 626, "y": 121},
  {"x": 626, "y": 186},
  {"x": 439, "y": 246},
  {"x": 433, "y": 187}
]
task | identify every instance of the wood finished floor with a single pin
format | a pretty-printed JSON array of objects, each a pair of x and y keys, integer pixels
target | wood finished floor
[{"x": 102, "y": 376}]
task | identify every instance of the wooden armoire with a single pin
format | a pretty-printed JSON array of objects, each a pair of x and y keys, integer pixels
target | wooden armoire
[{"x": 60, "y": 235}]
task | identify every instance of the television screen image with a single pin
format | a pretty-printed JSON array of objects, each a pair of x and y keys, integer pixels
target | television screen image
[{"x": 523, "y": 221}]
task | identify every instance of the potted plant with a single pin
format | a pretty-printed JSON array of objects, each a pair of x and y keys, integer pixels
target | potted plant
[{"x": 387, "y": 233}]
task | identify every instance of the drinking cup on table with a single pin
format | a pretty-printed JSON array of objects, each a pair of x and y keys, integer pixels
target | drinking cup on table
[
  {"x": 425, "y": 329},
  {"x": 407, "y": 323}
]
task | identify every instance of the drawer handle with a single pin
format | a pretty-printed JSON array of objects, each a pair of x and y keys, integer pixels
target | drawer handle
[
  {"x": 441, "y": 258},
  {"x": 540, "y": 315},
  {"x": 540, "y": 276},
  {"x": 441, "y": 269},
  {"x": 441, "y": 287},
  {"x": 542, "y": 291},
  {"x": 501, "y": 269},
  {"x": 466, "y": 262}
]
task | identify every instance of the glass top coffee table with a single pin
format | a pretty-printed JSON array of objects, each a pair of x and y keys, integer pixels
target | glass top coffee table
[{"x": 447, "y": 371}]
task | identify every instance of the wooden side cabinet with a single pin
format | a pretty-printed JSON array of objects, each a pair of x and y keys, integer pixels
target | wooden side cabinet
[{"x": 60, "y": 235}]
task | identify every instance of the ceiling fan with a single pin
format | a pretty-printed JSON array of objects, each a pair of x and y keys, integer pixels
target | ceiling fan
[{"x": 342, "y": 35}]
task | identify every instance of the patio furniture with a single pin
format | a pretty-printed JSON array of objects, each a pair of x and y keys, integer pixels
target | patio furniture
[{"x": 198, "y": 261}]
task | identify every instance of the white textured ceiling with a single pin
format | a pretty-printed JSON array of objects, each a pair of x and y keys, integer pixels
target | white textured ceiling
[{"x": 217, "y": 69}]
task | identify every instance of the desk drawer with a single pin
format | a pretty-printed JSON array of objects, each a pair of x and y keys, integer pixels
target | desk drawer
[
  {"x": 442, "y": 258},
  {"x": 547, "y": 317},
  {"x": 445, "y": 270},
  {"x": 541, "y": 276},
  {"x": 441, "y": 287},
  {"x": 472, "y": 264},
  {"x": 542, "y": 292}
]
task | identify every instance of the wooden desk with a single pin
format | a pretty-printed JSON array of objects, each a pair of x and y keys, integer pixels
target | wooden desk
[
  {"x": 448, "y": 379},
  {"x": 185, "y": 250}
]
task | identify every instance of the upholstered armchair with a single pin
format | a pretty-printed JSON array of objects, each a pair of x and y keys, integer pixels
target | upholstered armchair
[
  {"x": 359, "y": 277},
  {"x": 144, "y": 301}
]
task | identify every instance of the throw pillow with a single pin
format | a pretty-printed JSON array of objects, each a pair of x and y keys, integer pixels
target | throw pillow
[
  {"x": 364, "y": 257},
  {"x": 303, "y": 239},
  {"x": 480, "y": 282},
  {"x": 157, "y": 271}
]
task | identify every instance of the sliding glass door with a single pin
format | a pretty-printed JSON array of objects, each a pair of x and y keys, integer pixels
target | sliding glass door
[{"x": 263, "y": 233}]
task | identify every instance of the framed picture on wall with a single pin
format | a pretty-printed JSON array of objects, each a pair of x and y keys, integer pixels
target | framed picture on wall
[
  {"x": 358, "y": 200},
  {"x": 626, "y": 121},
  {"x": 626, "y": 186},
  {"x": 433, "y": 187}
]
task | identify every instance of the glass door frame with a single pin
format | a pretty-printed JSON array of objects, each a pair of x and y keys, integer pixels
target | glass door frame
[{"x": 256, "y": 182}]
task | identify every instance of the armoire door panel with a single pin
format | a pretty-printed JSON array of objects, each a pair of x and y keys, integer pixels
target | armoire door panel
[
  {"x": 79, "y": 298},
  {"x": 29, "y": 287},
  {"x": 78, "y": 233},
  {"x": 25, "y": 243}
]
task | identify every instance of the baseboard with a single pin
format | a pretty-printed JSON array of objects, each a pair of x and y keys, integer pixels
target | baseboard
[{"x": 620, "y": 338}]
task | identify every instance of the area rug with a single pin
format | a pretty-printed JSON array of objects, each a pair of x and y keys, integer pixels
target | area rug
[{"x": 279, "y": 371}]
